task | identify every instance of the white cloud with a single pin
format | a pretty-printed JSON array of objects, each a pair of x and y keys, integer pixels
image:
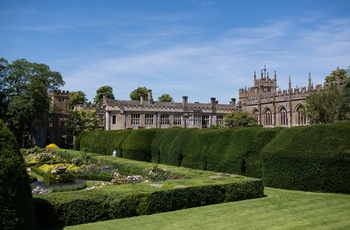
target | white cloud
[{"x": 219, "y": 67}]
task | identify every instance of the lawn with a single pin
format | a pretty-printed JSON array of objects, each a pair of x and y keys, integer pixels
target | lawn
[{"x": 280, "y": 209}]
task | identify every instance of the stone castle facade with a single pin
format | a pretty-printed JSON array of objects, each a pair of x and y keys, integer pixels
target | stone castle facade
[
  {"x": 149, "y": 114},
  {"x": 265, "y": 100},
  {"x": 273, "y": 106}
]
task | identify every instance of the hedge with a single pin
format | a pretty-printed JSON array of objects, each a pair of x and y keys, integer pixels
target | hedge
[
  {"x": 56, "y": 210},
  {"x": 137, "y": 146},
  {"x": 101, "y": 142},
  {"x": 15, "y": 195},
  {"x": 234, "y": 150},
  {"x": 311, "y": 158}
]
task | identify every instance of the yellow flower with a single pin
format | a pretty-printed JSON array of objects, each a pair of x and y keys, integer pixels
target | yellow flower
[{"x": 52, "y": 146}]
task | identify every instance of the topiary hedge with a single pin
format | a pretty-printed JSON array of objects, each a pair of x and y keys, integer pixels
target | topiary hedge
[
  {"x": 310, "y": 158},
  {"x": 101, "y": 142},
  {"x": 15, "y": 195},
  {"x": 120, "y": 201},
  {"x": 234, "y": 150},
  {"x": 137, "y": 145}
]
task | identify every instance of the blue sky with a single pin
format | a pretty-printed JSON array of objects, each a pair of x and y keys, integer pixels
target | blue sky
[{"x": 195, "y": 48}]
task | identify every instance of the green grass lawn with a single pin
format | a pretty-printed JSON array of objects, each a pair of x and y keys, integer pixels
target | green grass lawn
[{"x": 280, "y": 209}]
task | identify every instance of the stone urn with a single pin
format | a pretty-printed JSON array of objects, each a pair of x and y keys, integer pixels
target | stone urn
[{"x": 61, "y": 169}]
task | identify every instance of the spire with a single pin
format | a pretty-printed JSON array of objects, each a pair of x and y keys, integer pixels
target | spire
[
  {"x": 265, "y": 70},
  {"x": 290, "y": 83},
  {"x": 309, "y": 79},
  {"x": 254, "y": 75},
  {"x": 275, "y": 76}
]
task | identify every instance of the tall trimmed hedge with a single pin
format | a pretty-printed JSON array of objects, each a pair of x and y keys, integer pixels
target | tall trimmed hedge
[
  {"x": 310, "y": 158},
  {"x": 224, "y": 150},
  {"x": 101, "y": 142},
  {"x": 16, "y": 209},
  {"x": 137, "y": 146}
]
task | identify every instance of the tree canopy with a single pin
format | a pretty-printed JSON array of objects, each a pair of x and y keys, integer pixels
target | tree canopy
[
  {"x": 76, "y": 98},
  {"x": 24, "y": 95},
  {"x": 137, "y": 93},
  {"x": 335, "y": 74},
  {"x": 165, "y": 98},
  {"x": 103, "y": 90},
  {"x": 331, "y": 104},
  {"x": 81, "y": 120},
  {"x": 239, "y": 118}
]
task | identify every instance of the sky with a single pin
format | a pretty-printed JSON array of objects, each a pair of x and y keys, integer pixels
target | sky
[{"x": 195, "y": 48}]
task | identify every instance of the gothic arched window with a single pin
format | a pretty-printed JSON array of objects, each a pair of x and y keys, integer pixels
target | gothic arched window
[
  {"x": 268, "y": 117},
  {"x": 301, "y": 119},
  {"x": 283, "y": 116}
]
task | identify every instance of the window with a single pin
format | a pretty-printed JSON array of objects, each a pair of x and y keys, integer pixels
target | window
[
  {"x": 135, "y": 119},
  {"x": 114, "y": 119},
  {"x": 177, "y": 119},
  {"x": 284, "y": 117},
  {"x": 205, "y": 120},
  {"x": 268, "y": 117},
  {"x": 164, "y": 119},
  {"x": 197, "y": 120},
  {"x": 256, "y": 115},
  {"x": 219, "y": 120},
  {"x": 301, "y": 116},
  {"x": 149, "y": 119}
]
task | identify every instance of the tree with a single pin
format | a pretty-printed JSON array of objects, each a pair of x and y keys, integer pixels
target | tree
[
  {"x": 165, "y": 98},
  {"x": 76, "y": 98},
  {"x": 137, "y": 93},
  {"x": 100, "y": 92},
  {"x": 81, "y": 120},
  {"x": 16, "y": 206},
  {"x": 333, "y": 103},
  {"x": 239, "y": 118},
  {"x": 25, "y": 88},
  {"x": 335, "y": 74},
  {"x": 327, "y": 106}
]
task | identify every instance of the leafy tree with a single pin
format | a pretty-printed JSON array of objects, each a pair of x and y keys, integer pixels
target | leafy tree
[
  {"x": 341, "y": 73},
  {"x": 76, "y": 98},
  {"x": 327, "y": 106},
  {"x": 25, "y": 91},
  {"x": 16, "y": 206},
  {"x": 333, "y": 103},
  {"x": 81, "y": 120},
  {"x": 165, "y": 98},
  {"x": 239, "y": 118},
  {"x": 137, "y": 93},
  {"x": 103, "y": 90}
]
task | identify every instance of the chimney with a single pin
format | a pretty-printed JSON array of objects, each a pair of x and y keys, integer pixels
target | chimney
[
  {"x": 213, "y": 102},
  {"x": 233, "y": 101},
  {"x": 141, "y": 100},
  {"x": 184, "y": 101},
  {"x": 149, "y": 96}
]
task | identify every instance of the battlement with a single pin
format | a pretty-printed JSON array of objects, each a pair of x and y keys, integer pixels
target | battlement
[
  {"x": 265, "y": 88},
  {"x": 59, "y": 93}
]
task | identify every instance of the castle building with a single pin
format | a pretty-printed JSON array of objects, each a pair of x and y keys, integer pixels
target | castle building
[
  {"x": 149, "y": 114},
  {"x": 272, "y": 107},
  {"x": 56, "y": 119},
  {"x": 265, "y": 100}
]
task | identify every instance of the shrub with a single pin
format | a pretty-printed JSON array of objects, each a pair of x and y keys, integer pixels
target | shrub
[
  {"x": 15, "y": 195},
  {"x": 137, "y": 146},
  {"x": 309, "y": 158}
]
